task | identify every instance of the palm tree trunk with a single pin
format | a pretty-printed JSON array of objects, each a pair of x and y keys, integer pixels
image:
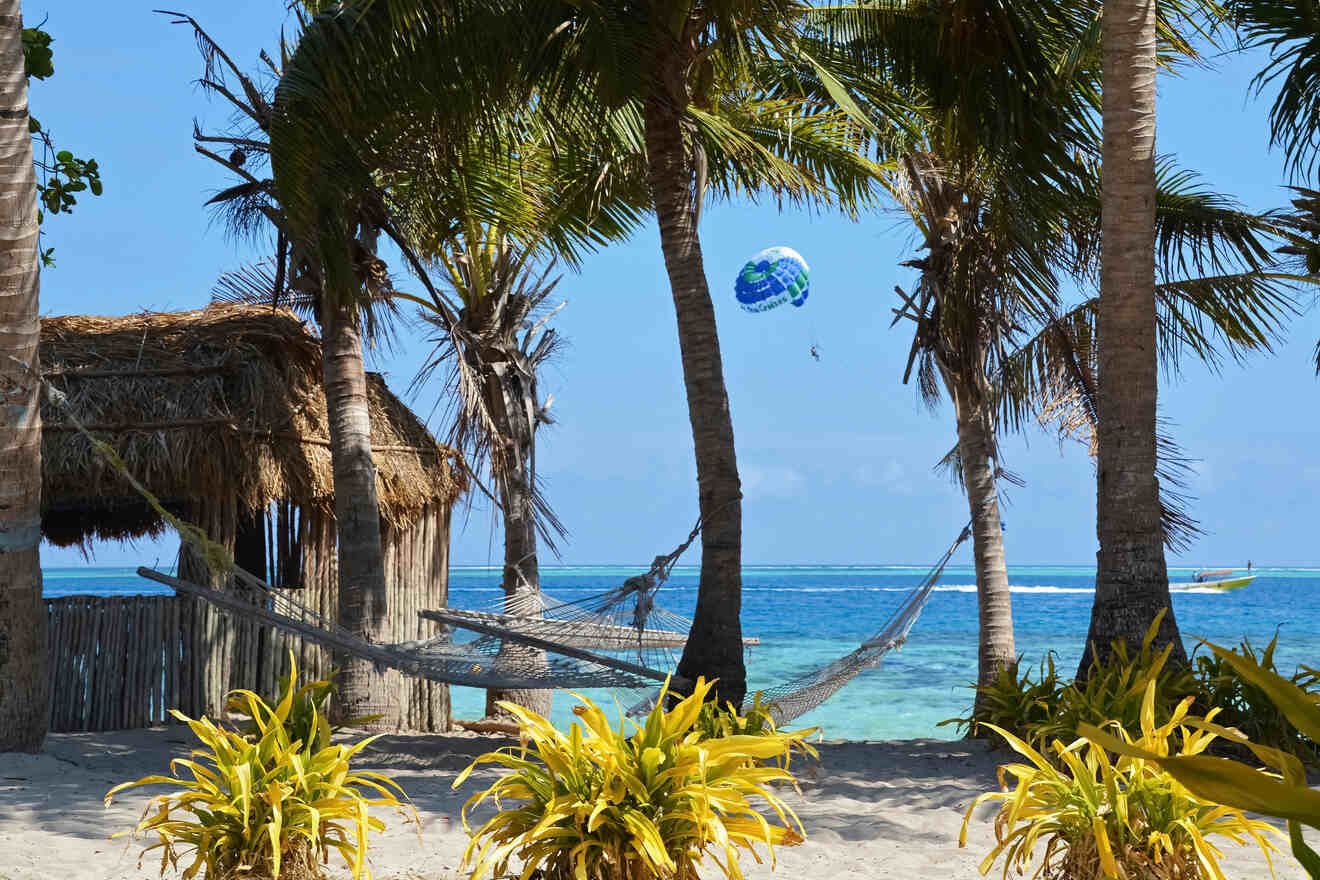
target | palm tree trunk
[
  {"x": 363, "y": 608},
  {"x": 522, "y": 583},
  {"x": 24, "y": 692},
  {"x": 995, "y": 647},
  {"x": 1132, "y": 580},
  {"x": 522, "y": 579},
  {"x": 714, "y": 646}
]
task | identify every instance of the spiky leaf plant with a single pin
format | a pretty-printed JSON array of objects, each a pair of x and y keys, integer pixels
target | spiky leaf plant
[
  {"x": 264, "y": 807},
  {"x": 1103, "y": 818},
  {"x": 603, "y": 804}
]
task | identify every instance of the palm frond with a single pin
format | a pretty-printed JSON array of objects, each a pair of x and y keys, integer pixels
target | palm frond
[
  {"x": 1053, "y": 378},
  {"x": 1290, "y": 31},
  {"x": 492, "y": 352}
]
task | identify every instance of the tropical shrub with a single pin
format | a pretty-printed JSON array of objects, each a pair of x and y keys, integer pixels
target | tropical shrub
[
  {"x": 1016, "y": 702},
  {"x": 1101, "y": 818},
  {"x": 307, "y": 718},
  {"x": 1236, "y": 785},
  {"x": 716, "y": 721},
  {"x": 264, "y": 807},
  {"x": 603, "y": 804},
  {"x": 1115, "y": 690},
  {"x": 1248, "y": 708},
  {"x": 1112, "y": 690}
]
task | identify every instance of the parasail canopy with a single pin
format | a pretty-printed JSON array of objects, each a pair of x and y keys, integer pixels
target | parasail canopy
[{"x": 775, "y": 276}]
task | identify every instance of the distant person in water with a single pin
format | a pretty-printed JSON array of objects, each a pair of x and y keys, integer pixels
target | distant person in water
[{"x": 1248, "y": 566}]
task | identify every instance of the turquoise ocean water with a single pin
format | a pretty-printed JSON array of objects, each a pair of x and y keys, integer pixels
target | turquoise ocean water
[{"x": 809, "y": 615}]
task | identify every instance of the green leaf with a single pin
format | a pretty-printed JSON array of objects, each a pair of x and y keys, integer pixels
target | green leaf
[
  {"x": 37, "y": 55},
  {"x": 1308, "y": 857},
  {"x": 1295, "y": 703},
  {"x": 1223, "y": 781}
]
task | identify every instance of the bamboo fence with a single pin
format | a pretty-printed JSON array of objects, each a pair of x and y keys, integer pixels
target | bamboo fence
[{"x": 124, "y": 662}]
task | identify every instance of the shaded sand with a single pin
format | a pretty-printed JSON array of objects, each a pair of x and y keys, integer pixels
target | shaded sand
[{"x": 871, "y": 810}]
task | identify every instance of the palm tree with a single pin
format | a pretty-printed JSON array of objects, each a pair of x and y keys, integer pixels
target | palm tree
[
  {"x": 1219, "y": 291},
  {"x": 491, "y": 336},
  {"x": 997, "y": 240},
  {"x": 345, "y": 314},
  {"x": 979, "y": 178},
  {"x": 986, "y": 309},
  {"x": 24, "y": 698},
  {"x": 679, "y": 76},
  {"x": 495, "y": 345},
  {"x": 989, "y": 271},
  {"x": 1132, "y": 579}
]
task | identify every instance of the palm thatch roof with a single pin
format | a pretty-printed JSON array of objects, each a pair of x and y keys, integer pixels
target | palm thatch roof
[{"x": 223, "y": 402}]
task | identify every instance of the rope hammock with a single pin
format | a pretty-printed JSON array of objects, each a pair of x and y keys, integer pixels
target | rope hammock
[
  {"x": 618, "y": 639},
  {"x": 604, "y": 641}
]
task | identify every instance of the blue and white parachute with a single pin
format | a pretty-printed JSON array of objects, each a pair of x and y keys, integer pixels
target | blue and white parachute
[{"x": 775, "y": 276}]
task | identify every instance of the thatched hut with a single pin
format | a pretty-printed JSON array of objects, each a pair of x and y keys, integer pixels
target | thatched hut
[{"x": 220, "y": 414}]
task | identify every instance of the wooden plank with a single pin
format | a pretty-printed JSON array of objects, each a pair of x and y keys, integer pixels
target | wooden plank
[
  {"x": 86, "y": 628},
  {"x": 135, "y": 654},
  {"x": 72, "y": 678},
  {"x": 123, "y": 653},
  {"x": 170, "y": 636},
  {"x": 114, "y": 679},
  {"x": 59, "y": 658},
  {"x": 151, "y": 649},
  {"x": 54, "y": 653},
  {"x": 96, "y": 700},
  {"x": 155, "y": 650},
  {"x": 187, "y": 614},
  {"x": 86, "y": 670}
]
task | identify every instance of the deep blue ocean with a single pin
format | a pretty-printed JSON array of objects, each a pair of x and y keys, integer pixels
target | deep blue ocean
[{"x": 806, "y": 616}]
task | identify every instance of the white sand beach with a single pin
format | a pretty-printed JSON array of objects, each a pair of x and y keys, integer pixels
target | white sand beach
[{"x": 871, "y": 810}]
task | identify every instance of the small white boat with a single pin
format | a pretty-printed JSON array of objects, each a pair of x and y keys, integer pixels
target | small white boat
[{"x": 1215, "y": 580}]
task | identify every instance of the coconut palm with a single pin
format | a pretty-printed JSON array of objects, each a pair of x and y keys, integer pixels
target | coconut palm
[
  {"x": 987, "y": 304},
  {"x": 1132, "y": 579},
  {"x": 979, "y": 178},
  {"x": 563, "y": 204},
  {"x": 250, "y": 207},
  {"x": 680, "y": 75},
  {"x": 1001, "y": 229},
  {"x": 1012, "y": 100},
  {"x": 490, "y": 315},
  {"x": 24, "y": 698},
  {"x": 494, "y": 346}
]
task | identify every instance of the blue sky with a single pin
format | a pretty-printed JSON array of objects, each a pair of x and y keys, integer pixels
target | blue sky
[{"x": 835, "y": 455}]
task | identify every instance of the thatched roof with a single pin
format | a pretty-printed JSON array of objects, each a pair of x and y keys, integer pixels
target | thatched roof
[{"x": 225, "y": 401}]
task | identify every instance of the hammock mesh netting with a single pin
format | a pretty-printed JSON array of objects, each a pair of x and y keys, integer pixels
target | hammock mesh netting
[{"x": 619, "y": 639}]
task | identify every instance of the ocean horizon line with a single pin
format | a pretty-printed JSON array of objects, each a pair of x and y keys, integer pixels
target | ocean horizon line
[{"x": 806, "y": 566}]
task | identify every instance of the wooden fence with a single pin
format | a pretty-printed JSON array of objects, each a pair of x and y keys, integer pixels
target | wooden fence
[
  {"x": 119, "y": 662},
  {"x": 124, "y": 662}
]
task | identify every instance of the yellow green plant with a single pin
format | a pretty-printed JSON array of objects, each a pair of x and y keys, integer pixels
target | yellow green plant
[
  {"x": 1049, "y": 708},
  {"x": 600, "y": 804},
  {"x": 307, "y": 715},
  {"x": 758, "y": 720},
  {"x": 1224, "y": 781},
  {"x": 1249, "y": 709},
  {"x": 265, "y": 806},
  {"x": 1102, "y": 818}
]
